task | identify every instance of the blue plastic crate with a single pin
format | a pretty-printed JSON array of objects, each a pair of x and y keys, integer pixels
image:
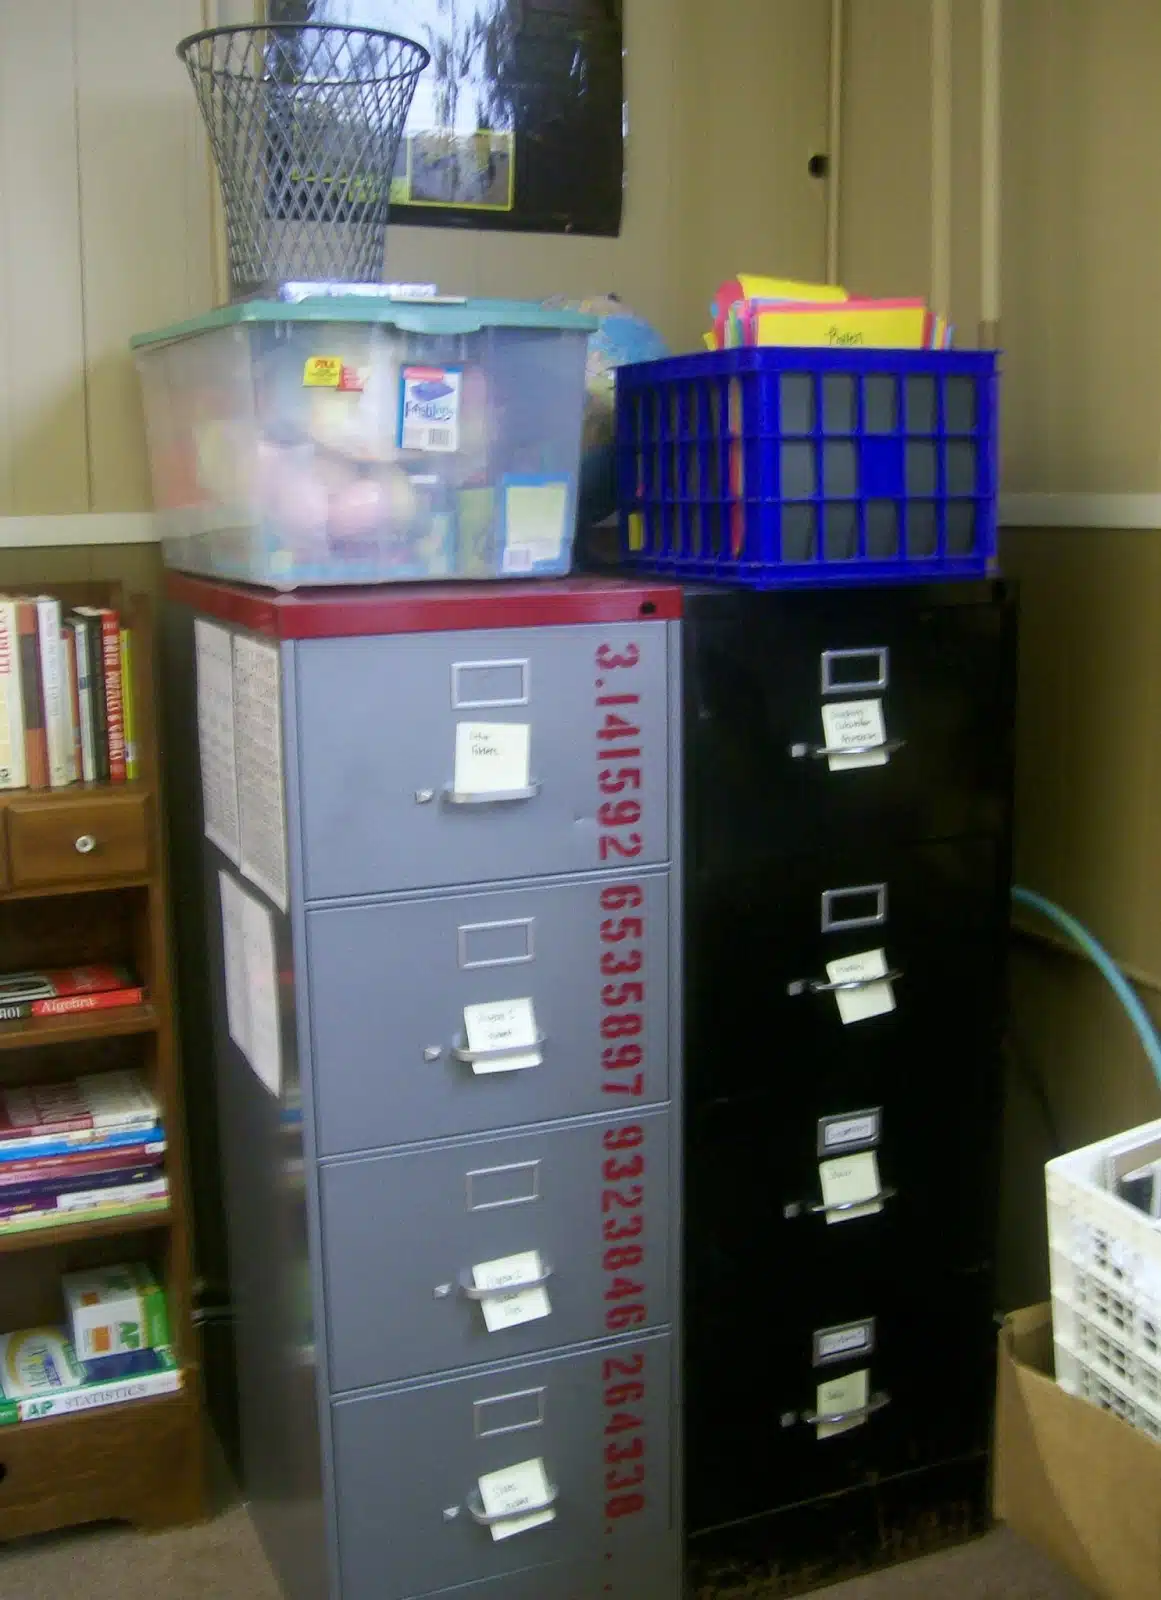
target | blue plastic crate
[{"x": 775, "y": 467}]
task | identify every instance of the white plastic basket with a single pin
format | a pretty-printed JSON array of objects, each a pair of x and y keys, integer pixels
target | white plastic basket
[{"x": 1105, "y": 1266}]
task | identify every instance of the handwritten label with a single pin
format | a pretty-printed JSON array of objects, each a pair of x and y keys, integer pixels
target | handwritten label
[
  {"x": 836, "y": 1344},
  {"x": 848, "y": 1132},
  {"x": 502, "y": 1025},
  {"x": 840, "y": 1397},
  {"x": 492, "y": 757},
  {"x": 521, "y": 1305},
  {"x": 872, "y": 999},
  {"x": 854, "y": 724},
  {"x": 847, "y": 1182},
  {"x": 507, "y": 1493}
]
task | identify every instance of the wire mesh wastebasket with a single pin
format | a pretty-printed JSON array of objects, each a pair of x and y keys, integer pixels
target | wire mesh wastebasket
[{"x": 305, "y": 122}]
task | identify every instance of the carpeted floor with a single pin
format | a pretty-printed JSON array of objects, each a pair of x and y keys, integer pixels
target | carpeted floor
[{"x": 222, "y": 1561}]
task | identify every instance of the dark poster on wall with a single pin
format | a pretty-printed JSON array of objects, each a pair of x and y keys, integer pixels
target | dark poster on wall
[{"x": 518, "y": 123}]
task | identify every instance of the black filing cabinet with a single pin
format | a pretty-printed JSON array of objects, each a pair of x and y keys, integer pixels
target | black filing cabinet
[{"x": 848, "y": 763}]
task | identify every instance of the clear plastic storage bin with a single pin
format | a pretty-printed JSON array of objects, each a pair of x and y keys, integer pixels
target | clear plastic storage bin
[{"x": 364, "y": 441}]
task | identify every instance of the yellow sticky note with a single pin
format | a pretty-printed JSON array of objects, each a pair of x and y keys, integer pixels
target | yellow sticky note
[
  {"x": 636, "y": 531},
  {"x": 322, "y": 372},
  {"x": 841, "y": 1397},
  {"x": 853, "y": 1183},
  {"x": 869, "y": 997}
]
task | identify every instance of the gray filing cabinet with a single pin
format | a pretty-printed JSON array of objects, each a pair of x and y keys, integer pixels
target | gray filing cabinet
[{"x": 429, "y": 882}]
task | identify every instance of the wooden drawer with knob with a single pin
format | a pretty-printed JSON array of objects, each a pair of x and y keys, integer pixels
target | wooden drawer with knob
[{"x": 89, "y": 837}]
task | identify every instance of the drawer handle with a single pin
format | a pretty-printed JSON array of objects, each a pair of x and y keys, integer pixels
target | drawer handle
[
  {"x": 461, "y": 1053},
  {"x": 470, "y": 1292},
  {"x": 829, "y": 1419},
  {"x": 475, "y": 1508},
  {"x": 822, "y": 752},
  {"x": 463, "y": 797},
  {"x": 85, "y": 845},
  {"x": 816, "y": 986},
  {"x": 823, "y": 1210}
]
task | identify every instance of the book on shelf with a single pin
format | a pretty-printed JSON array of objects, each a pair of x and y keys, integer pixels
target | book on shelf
[
  {"x": 52, "y": 672},
  {"x": 68, "y": 706},
  {"x": 79, "y": 1110},
  {"x": 65, "y": 990},
  {"x": 53, "y": 1145},
  {"x": 107, "y": 1211},
  {"x": 40, "y": 1376},
  {"x": 32, "y": 697},
  {"x": 145, "y": 1190},
  {"x": 13, "y": 768},
  {"x": 40, "y": 1194},
  {"x": 88, "y": 1160},
  {"x": 111, "y": 700}
]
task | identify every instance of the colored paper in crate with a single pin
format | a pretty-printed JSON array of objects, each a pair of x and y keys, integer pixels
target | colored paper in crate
[
  {"x": 749, "y": 286},
  {"x": 113, "y": 1310},
  {"x": 859, "y": 324}
]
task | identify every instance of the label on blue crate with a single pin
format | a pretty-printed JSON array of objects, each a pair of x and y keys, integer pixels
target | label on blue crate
[{"x": 429, "y": 409}]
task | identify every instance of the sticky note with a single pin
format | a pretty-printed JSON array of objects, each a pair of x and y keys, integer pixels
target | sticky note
[
  {"x": 873, "y": 999},
  {"x": 522, "y": 1305},
  {"x": 535, "y": 521},
  {"x": 502, "y": 1025},
  {"x": 848, "y": 1181},
  {"x": 841, "y": 1395},
  {"x": 322, "y": 372},
  {"x": 856, "y": 723},
  {"x": 492, "y": 757},
  {"x": 506, "y": 1493}
]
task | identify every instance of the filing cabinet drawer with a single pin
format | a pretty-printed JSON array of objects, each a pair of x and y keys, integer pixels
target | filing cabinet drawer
[
  {"x": 86, "y": 839},
  {"x": 389, "y": 984},
  {"x": 761, "y": 1016},
  {"x": 760, "y": 669},
  {"x": 591, "y": 1201},
  {"x": 924, "y": 1338},
  {"x": 756, "y": 1191},
  {"x": 408, "y": 1464},
  {"x": 383, "y": 805}
]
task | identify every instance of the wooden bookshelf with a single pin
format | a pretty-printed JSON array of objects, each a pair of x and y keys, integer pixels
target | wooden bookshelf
[{"x": 83, "y": 880}]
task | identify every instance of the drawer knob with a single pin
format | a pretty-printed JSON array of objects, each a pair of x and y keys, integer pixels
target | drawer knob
[
  {"x": 823, "y": 752},
  {"x": 839, "y": 1208},
  {"x": 470, "y": 1057},
  {"x": 85, "y": 845},
  {"x": 432, "y": 1052}
]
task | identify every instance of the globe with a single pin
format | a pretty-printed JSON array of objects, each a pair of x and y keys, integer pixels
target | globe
[{"x": 622, "y": 338}]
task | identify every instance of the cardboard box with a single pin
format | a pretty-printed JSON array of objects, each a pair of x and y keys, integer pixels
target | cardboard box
[{"x": 1074, "y": 1480}]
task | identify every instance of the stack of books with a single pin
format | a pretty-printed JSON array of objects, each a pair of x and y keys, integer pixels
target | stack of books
[
  {"x": 63, "y": 991},
  {"x": 68, "y": 711},
  {"x": 80, "y": 1151},
  {"x": 751, "y": 311},
  {"x": 115, "y": 1348}
]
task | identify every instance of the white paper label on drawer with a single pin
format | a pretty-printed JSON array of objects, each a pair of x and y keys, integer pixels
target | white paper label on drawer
[
  {"x": 839, "y": 1397},
  {"x": 506, "y": 1493},
  {"x": 500, "y": 1026},
  {"x": 520, "y": 1305},
  {"x": 854, "y": 724},
  {"x": 848, "y": 1181},
  {"x": 872, "y": 999},
  {"x": 492, "y": 757}
]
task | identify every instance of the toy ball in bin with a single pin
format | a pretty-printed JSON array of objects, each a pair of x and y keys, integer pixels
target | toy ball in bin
[{"x": 620, "y": 339}]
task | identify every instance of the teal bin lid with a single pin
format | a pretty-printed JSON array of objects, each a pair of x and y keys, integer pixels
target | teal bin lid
[{"x": 409, "y": 316}]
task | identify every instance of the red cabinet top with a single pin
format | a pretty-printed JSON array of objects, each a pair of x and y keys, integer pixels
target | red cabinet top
[{"x": 427, "y": 607}]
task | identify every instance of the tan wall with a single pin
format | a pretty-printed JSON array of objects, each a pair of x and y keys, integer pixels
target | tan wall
[
  {"x": 106, "y": 201},
  {"x": 1081, "y": 326}
]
